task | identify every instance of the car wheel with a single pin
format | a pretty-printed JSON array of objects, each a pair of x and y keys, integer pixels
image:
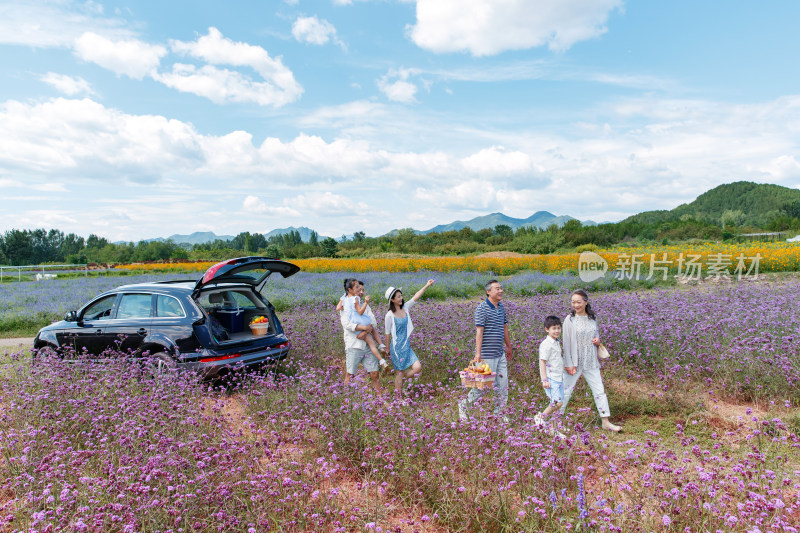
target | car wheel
[
  {"x": 160, "y": 364},
  {"x": 47, "y": 351}
]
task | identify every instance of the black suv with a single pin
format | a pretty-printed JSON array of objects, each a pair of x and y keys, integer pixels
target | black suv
[{"x": 203, "y": 326}]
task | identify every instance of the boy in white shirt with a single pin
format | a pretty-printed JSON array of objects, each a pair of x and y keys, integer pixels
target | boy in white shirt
[{"x": 551, "y": 370}]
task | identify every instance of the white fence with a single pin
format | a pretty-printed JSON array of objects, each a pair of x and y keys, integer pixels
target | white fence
[{"x": 40, "y": 272}]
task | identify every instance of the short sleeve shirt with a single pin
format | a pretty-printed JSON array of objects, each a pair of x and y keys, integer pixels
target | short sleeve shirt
[
  {"x": 550, "y": 352},
  {"x": 493, "y": 319}
]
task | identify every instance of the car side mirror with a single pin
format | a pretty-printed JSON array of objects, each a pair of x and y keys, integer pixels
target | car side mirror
[{"x": 72, "y": 316}]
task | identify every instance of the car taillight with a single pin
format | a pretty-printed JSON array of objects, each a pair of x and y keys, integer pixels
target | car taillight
[
  {"x": 219, "y": 358},
  {"x": 282, "y": 345}
]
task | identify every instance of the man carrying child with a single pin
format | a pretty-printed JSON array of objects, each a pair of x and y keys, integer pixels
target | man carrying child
[{"x": 357, "y": 351}]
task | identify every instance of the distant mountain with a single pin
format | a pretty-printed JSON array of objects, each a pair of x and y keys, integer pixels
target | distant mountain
[
  {"x": 305, "y": 233},
  {"x": 540, "y": 219},
  {"x": 742, "y": 203},
  {"x": 201, "y": 237},
  {"x": 198, "y": 237}
]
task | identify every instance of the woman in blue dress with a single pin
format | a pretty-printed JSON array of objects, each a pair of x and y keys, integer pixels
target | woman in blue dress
[{"x": 398, "y": 328}]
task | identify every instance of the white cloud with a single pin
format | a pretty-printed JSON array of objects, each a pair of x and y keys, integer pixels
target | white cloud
[
  {"x": 132, "y": 57},
  {"x": 785, "y": 168},
  {"x": 484, "y": 179},
  {"x": 49, "y": 187},
  {"x": 85, "y": 139},
  {"x": 339, "y": 116},
  {"x": 497, "y": 162},
  {"x": 471, "y": 195},
  {"x": 666, "y": 158},
  {"x": 69, "y": 85},
  {"x": 488, "y": 27},
  {"x": 254, "y": 204},
  {"x": 314, "y": 31},
  {"x": 329, "y": 204},
  {"x": 223, "y": 85},
  {"x": 54, "y": 24},
  {"x": 312, "y": 158},
  {"x": 56, "y": 218},
  {"x": 400, "y": 90}
]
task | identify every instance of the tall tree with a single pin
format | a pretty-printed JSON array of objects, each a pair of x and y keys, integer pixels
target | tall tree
[
  {"x": 18, "y": 247},
  {"x": 72, "y": 245},
  {"x": 329, "y": 247},
  {"x": 504, "y": 230},
  {"x": 257, "y": 241},
  {"x": 96, "y": 242}
]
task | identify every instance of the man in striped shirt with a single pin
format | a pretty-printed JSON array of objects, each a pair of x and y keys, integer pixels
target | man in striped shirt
[{"x": 491, "y": 334}]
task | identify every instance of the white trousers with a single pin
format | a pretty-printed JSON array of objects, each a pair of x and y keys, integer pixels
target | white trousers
[{"x": 595, "y": 382}]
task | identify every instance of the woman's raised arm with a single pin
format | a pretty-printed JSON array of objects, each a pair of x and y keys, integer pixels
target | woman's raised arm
[{"x": 420, "y": 292}]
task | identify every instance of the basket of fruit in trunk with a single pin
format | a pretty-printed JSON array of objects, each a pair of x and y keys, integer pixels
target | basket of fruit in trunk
[
  {"x": 477, "y": 375},
  {"x": 259, "y": 325}
]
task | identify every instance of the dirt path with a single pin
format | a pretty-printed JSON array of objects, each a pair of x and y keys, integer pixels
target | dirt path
[
  {"x": 357, "y": 492},
  {"x": 16, "y": 343}
]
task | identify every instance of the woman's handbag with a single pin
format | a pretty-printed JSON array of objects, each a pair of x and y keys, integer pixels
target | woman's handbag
[{"x": 602, "y": 352}]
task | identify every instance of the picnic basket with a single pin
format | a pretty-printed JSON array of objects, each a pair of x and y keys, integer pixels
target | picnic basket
[{"x": 472, "y": 379}]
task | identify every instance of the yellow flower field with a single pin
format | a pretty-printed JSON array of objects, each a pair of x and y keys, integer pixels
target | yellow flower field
[{"x": 772, "y": 257}]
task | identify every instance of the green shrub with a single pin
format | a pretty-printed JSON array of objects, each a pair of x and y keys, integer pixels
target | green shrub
[{"x": 543, "y": 242}]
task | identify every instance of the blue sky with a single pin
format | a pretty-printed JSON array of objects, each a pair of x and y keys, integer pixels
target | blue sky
[{"x": 139, "y": 120}]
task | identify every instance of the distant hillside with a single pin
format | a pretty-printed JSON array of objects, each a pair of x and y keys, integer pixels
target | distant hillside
[
  {"x": 305, "y": 233},
  {"x": 198, "y": 237},
  {"x": 540, "y": 219},
  {"x": 742, "y": 203},
  {"x": 202, "y": 237}
]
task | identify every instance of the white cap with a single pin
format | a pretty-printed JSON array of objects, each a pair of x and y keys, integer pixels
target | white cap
[{"x": 390, "y": 292}]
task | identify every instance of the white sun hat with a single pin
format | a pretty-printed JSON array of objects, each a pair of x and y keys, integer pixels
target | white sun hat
[{"x": 390, "y": 292}]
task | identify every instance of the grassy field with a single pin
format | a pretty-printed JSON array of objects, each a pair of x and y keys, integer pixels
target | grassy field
[{"x": 703, "y": 379}]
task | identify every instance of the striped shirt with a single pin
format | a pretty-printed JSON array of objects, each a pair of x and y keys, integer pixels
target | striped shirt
[{"x": 493, "y": 320}]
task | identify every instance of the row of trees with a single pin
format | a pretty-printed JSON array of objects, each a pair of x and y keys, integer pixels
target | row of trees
[
  {"x": 28, "y": 247},
  {"x": 718, "y": 214},
  {"x": 33, "y": 247}
]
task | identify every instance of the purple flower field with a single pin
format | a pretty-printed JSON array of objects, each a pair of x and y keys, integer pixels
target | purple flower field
[
  {"x": 33, "y": 304},
  {"x": 41, "y": 302},
  {"x": 703, "y": 380}
]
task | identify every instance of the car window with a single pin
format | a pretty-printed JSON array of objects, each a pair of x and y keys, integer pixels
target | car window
[
  {"x": 134, "y": 306},
  {"x": 167, "y": 306},
  {"x": 101, "y": 309},
  {"x": 214, "y": 299},
  {"x": 227, "y": 299},
  {"x": 244, "y": 299}
]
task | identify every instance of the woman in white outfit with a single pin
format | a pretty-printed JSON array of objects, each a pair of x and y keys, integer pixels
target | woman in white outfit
[
  {"x": 581, "y": 339},
  {"x": 398, "y": 329}
]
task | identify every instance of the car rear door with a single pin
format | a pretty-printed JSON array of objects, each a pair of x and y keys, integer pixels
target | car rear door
[
  {"x": 131, "y": 323},
  {"x": 172, "y": 321},
  {"x": 252, "y": 271}
]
